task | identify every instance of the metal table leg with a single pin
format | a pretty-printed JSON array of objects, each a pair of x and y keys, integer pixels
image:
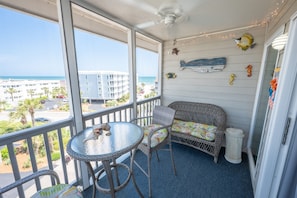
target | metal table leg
[
  {"x": 107, "y": 169},
  {"x": 131, "y": 169},
  {"x": 93, "y": 177}
]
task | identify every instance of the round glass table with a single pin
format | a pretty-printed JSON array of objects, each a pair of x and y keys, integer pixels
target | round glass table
[{"x": 122, "y": 138}]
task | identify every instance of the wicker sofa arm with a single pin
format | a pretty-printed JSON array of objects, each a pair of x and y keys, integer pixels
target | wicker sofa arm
[{"x": 220, "y": 136}]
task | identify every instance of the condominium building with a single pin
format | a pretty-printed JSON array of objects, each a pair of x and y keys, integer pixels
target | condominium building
[
  {"x": 13, "y": 90},
  {"x": 94, "y": 85},
  {"x": 103, "y": 85}
]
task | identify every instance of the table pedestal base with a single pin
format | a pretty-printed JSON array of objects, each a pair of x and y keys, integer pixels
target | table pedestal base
[{"x": 107, "y": 168}]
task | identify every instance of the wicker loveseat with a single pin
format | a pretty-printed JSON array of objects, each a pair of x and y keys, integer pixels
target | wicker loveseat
[{"x": 208, "y": 119}]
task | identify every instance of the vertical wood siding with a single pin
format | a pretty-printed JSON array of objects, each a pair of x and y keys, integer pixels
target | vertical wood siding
[{"x": 237, "y": 100}]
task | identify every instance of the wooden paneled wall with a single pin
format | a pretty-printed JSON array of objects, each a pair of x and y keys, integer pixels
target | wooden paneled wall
[{"x": 237, "y": 99}]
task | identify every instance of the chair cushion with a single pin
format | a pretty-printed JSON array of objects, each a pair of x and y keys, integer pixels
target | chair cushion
[
  {"x": 203, "y": 131},
  {"x": 157, "y": 137},
  {"x": 58, "y": 191}
]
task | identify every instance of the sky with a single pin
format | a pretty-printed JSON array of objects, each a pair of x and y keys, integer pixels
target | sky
[{"x": 30, "y": 46}]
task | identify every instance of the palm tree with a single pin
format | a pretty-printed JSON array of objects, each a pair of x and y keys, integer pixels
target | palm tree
[
  {"x": 28, "y": 105},
  {"x": 31, "y": 105},
  {"x": 2, "y": 104},
  {"x": 55, "y": 92},
  {"x": 63, "y": 91},
  {"x": 11, "y": 91},
  {"x": 19, "y": 113},
  {"x": 31, "y": 92},
  {"x": 46, "y": 91}
]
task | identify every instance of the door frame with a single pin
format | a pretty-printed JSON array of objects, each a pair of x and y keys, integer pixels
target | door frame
[
  {"x": 252, "y": 163},
  {"x": 274, "y": 152}
]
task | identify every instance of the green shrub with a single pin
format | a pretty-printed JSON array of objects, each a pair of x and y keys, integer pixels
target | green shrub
[
  {"x": 4, "y": 153},
  {"x": 65, "y": 136},
  {"x": 11, "y": 126},
  {"x": 56, "y": 146},
  {"x": 64, "y": 107},
  {"x": 27, "y": 164},
  {"x": 24, "y": 147},
  {"x": 111, "y": 103},
  {"x": 55, "y": 156},
  {"x": 42, "y": 152}
]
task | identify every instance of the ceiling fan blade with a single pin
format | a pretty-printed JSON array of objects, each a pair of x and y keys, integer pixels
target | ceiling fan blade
[
  {"x": 182, "y": 19},
  {"x": 189, "y": 5},
  {"x": 147, "y": 24},
  {"x": 140, "y": 4}
]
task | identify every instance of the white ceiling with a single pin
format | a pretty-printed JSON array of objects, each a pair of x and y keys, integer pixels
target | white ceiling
[{"x": 200, "y": 17}]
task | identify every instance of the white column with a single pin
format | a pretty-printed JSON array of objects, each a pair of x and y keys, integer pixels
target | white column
[{"x": 71, "y": 72}]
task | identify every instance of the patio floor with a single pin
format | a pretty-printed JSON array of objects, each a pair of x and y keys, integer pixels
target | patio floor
[{"x": 197, "y": 176}]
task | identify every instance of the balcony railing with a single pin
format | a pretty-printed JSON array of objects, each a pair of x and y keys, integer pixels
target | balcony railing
[{"x": 38, "y": 141}]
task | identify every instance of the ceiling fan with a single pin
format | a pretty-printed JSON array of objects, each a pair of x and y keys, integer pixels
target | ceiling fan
[{"x": 169, "y": 12}]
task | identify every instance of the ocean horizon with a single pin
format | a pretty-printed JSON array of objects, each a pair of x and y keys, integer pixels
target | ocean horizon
[
  {"x": 141, "y": 79},
  {"x": 32, "y": 77}
]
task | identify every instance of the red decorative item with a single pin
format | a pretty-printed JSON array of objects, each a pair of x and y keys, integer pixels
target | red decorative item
[
  {"x": 272, "y": 91},
  {"x": 249, "y": 70},
  {"x": 273, "y": 84}
]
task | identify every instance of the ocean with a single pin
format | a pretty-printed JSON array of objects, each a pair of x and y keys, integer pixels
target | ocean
[
  {"x": 32, "y": 77},
  {"x": 148, "y": 80}
]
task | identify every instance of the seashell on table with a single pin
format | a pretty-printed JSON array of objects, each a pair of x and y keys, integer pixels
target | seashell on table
[{"x": 97, "y": 131}]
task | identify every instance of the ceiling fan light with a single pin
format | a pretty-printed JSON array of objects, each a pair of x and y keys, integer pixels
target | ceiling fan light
[{"x": 169, "y": 19}]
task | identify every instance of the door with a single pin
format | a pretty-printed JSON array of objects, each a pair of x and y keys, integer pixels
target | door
[
  {"x": 288, "y": 184},
  {"x": 261, "y": 109},
  {"x": 280, "y": 127}
]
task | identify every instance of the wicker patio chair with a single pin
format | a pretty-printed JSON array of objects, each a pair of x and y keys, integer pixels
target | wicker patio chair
[
  {"x": 157, "y": 134},
  {"x": 57, "y": 190}
]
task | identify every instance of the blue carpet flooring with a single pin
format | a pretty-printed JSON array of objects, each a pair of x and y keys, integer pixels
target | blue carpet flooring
[{"x": 197, "y": 176}]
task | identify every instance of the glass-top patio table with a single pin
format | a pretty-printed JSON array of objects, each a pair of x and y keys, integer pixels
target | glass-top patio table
[{"x": 122, "y": 138}]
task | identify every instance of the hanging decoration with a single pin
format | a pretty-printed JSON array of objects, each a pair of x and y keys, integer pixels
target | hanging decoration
[
  {"x": 175, "y": 51},
  {"x": 171, "y": 75},
  {"x": 245, "y": 41},
  {"x": 232, "y": 78},
  {"x": 277, "y": 70},
  {"x": 272, "y": 91},
  {"x": 273, "y": 87},
  {"x": 249, "y": 70},
  {"x": 204, "y": 65}
]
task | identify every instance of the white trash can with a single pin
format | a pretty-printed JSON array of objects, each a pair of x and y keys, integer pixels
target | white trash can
[{"x": 233, "y": 145}]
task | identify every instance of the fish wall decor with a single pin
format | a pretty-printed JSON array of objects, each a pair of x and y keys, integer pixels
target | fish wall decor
[
  {"x": 204, "y": 65},
  {"x": 245, "y": 42},
  {"x": 171, "y": 75}
]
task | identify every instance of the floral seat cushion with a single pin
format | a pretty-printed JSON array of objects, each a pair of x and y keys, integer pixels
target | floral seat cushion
[
  {"x": 203, "y": 131},
  {"x": 59, "y": 191},
  {"x": 157, "y": 137}
]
